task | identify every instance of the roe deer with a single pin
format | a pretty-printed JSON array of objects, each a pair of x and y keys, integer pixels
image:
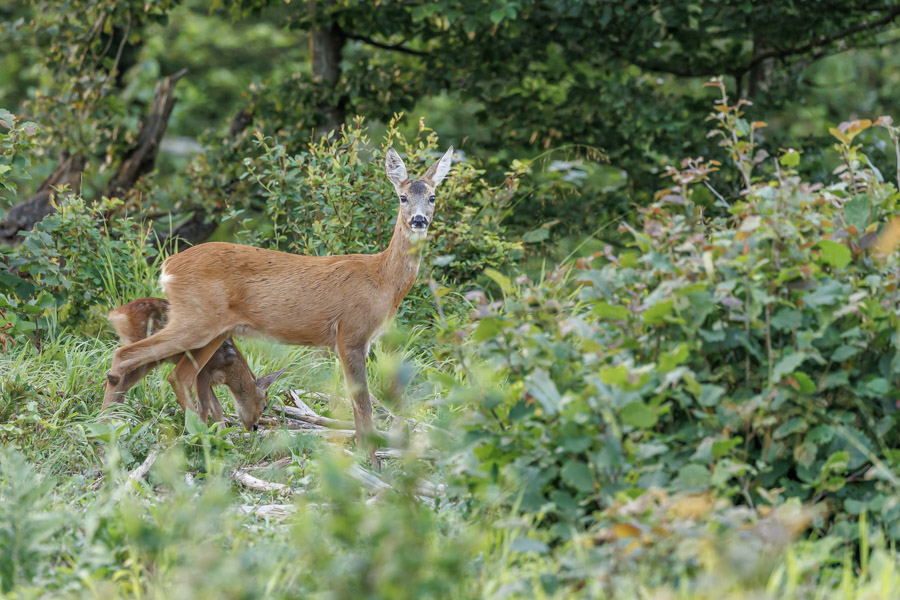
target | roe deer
[
  {"x": 217, "y": 289},
  {"x": 145, "y": 316}
]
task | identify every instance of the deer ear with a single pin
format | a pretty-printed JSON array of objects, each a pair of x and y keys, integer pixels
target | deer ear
[
  {"x": 266, "y": 380},
  {"x": 394, "y": 167},
  {"x": 436, "y": 172}
]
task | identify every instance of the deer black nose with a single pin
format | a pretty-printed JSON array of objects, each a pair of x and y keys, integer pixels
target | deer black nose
[{"x": 418, "y": 221}]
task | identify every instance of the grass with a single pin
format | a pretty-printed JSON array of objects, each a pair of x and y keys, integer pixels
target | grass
[{"x": 73, "y": 525}]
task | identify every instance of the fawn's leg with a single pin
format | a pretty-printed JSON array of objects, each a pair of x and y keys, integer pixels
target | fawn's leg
[{"x": 184, "y": 376}]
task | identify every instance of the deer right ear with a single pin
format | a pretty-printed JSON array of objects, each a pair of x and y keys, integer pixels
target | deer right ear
[{"x": 394, "y": 167}]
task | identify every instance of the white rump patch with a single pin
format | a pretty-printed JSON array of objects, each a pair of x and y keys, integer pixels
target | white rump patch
[{"x": 164, "y": 281}]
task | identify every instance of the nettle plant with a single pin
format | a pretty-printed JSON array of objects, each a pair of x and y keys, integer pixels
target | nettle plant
[
  {"x": 333, "y": 198},
  {"x": 752, "y": 355}
]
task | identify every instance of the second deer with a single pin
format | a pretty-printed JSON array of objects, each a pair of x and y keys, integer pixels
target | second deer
[
  {"x": 145, "y": 316},
  {"x": 218, "y": 289}
]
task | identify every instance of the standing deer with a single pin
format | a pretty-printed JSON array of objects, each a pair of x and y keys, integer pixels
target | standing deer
[
  {"x": 218, "y": 289},
  {"x": 145, "y": 316}
]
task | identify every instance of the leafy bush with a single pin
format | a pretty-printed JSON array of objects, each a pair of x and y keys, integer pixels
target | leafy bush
[
  {"x": 71, "y": 270},
  {"x": 750, "y": 355}
]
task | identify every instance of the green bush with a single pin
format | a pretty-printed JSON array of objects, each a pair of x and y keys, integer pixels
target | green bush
[
  {"x": 70, "y": 270},
  {"x": 752, "y": 355}
]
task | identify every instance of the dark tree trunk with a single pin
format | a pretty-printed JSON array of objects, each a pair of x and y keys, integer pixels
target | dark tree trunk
[
  {"x": 761, "y": 72},
  {"x": 140, "y": 159},
  {"x": 136, "y": 163},
  {"x": 326, "y": 48},
  {"x": 24, "y": 215}
]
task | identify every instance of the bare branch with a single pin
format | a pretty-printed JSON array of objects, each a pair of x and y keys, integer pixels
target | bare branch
[{"x": 384, "y": 46}]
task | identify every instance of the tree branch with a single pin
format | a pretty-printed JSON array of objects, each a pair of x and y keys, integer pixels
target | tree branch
[
  {"x": 392, "y": 47},
  {"x": 824, "y": 41}
]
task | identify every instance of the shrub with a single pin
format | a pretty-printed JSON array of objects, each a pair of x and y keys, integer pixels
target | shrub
[
  {"x": 750, "y": 354},
  {"x": 70, "y": 270}
]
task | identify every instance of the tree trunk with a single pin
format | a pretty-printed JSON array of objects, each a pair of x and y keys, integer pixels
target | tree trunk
[
  {"x": 140, "y": 159},
  {"x": 24, "y": 215},
  {"x": 761, "y": 73},
  {"x": 326, "y": 50},
  {"x": 136, "y": 163}
]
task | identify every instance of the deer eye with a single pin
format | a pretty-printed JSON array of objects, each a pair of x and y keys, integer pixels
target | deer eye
[
  {"x": 431, "y": 198},
  {"x": 403, "y": 199}
]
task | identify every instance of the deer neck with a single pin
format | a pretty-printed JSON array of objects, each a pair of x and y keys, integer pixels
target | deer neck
[
  {"x": 239, "y": 378},
  {"x": 401, "y": 261}
]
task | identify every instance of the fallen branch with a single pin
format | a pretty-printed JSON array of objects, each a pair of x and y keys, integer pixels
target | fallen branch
[
  {"x": 333, "y": 434},
  {"x": 258, "y": 485},
  {"x": 266, "y": 511},
  {"x": 144, "y": 467},
  {"x": 303, "y": 412}
]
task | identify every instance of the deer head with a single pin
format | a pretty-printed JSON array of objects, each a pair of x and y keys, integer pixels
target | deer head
[
  {"x": 416, "y": 195},
  {"x": 252, "y": 402}
]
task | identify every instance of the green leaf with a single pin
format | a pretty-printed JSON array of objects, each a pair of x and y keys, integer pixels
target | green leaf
[
  {"x": 723, "y": 447},
  {"x": 544, "y": 391},
  {"x": 786, "y": 319},
  {"x": 835, "y": 254},
  {"x": 787, "y": 364},
  {"x": 807, "y": 386},
  {"x": 857, "y": 211},
  {"x": 193, "y": 424},
  {"x": 657, "y": 313},
  {"x": 844, "y": 352},
  {"x": 443, "y": 261},
  {"x": 693, "y": 476},
  {"x": 790, "y": 159},
  {"x": 487, "y": 328},
  {"x": 536, "y": 235},
  {"x": 578, "y": 475},
  {"x": 824, "y": 295},
  {"x": 670, "y": 360},
  {"x": 500, "y": 279},
  {"x": 710, "y": 394},
  {"x": 604, "y": 310},
  {"x": 639, "y": 415},
  {"x": 614, "y": 375}
]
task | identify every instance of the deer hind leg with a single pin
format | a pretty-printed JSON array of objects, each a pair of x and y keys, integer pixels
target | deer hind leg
[
  {"x": 184, "y": 377},
  {"x": 171, "y": 340},
  {"x": 353, "y": 359}
]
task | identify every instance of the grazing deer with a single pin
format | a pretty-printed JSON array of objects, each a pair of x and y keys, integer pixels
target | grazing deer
[
  {"x": 145, "y": 316},
  {"x": 218, "y": 289}
]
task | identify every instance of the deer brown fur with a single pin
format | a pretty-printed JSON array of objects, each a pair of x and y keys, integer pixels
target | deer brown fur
[
  {"x": 218, "y": 289},
  {"x": 145, "y": 316}
]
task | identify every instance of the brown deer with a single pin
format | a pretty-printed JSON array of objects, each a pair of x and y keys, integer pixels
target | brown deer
[
  {"x": 218, "y": 289},
  {"x": 145, "y": 316}
]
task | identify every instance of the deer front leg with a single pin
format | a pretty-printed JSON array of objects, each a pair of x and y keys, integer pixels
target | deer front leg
[
  {"x": 353, "y": 359},
  {"x": 184, "y": 377},
  {"x": 174, "y": 339}
]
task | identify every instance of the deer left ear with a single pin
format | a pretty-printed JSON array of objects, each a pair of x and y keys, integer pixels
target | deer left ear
[
  {"x": 266, "y": 380},
  {"x": 436, "y": 172}
]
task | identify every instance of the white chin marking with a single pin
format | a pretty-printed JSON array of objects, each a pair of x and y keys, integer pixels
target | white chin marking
[{"x": 418, "y": 234}]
